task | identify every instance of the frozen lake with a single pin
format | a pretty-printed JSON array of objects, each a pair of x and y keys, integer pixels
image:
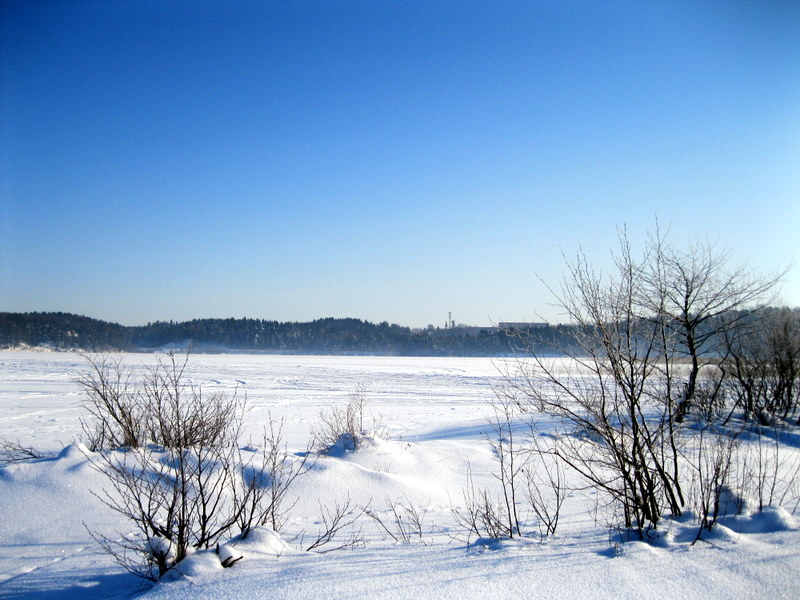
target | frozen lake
[
  {"x": 416, "y": 398},
  {"x": 433, "y": 413}
]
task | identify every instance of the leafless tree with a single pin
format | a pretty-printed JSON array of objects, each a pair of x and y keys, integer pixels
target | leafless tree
[
  {"x": 643, "y": 334},
  {"x": 624, "y": 441},
  {"x": 697, "y": 295}
]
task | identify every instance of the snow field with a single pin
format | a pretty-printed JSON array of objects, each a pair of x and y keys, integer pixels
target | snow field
[{"x": 434, "y": 414}]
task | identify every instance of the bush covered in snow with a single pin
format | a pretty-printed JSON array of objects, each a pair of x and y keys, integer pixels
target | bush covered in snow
[{"x": 174, "y": 467}]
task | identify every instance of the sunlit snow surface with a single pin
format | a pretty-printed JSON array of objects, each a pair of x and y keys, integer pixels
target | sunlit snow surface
[
  {"x": 433, "y": 414},
  {"x": 40, "y": 401}
]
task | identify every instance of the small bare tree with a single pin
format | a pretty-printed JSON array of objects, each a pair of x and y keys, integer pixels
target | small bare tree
[{"x": 642, "y": 335}]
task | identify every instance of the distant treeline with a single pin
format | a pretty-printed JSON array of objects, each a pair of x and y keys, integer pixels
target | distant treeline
[{"x": 64, "y": 331}]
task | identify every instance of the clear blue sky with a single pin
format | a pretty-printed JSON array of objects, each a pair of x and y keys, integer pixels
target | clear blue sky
[{"x": 382, "y": 160}]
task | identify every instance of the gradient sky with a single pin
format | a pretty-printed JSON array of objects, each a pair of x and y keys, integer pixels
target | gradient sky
[{"x": 382, "y": 160}]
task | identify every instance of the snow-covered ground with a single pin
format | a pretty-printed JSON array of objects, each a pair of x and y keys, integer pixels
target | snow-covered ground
[{"x": 433, "y": 415}]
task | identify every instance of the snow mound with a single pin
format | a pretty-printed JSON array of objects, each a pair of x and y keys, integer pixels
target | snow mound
[
  {"x": 260, "y": 542},
  {"x": 732, "y": 503},
  {"x": 662, "y": 538},
  {"x": 74, "y": 452},
  {"x": 345, "y": 443},
  {"x": 770, "y": 520},
  {"x": 193, "y": 566},
  {"x": 720, "y": 533},
  {"x": 161, "y": 547},
  {"x": 229, "y": 555},
  {"x": 365, "y": 446},
  {"x": 75, "y": 458},
  {"x": 348, "y": 443}
]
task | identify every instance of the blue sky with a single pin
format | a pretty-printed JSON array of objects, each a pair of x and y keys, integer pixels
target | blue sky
[{"x": 382, "y": 160}]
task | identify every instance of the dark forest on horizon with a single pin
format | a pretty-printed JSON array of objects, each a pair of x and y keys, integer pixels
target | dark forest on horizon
[{"x": 65, "y": 331}]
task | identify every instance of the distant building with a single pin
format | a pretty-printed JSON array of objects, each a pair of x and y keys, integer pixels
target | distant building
[{"x": 507, "y": 325}]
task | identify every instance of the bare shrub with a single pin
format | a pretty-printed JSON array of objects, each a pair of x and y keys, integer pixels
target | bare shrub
[
  {"x": 337, "y": 531},
  {"x": 712, "y": 462},
  {"x": 526, "y": 469},
  {"x": 482, "y": 516},
  {"x": 763, "y": 362},
  {"x": 343, "y": 426},
  {"x": 406, "y": 524},
  {"x": 116, "y": 412},
  {"x": 769, "y": 472},
  {"x": 508, "y": 457},
  {"x": 496, "y": 515},
  {"x": 160, "y": 408},
  {"x": 709, "y": 394},
  {"x": 545, "y": 482},
  {"x": 183, "y": 416},
  {"x": 181, "y": 480},
  {"x": 176, "y": 499},
  {"x": 266, "y": 482},
  {"x": 14, "y": 452}
]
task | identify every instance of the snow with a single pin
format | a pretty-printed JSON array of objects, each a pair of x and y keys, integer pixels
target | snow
[
  {"x": 560, "y": 570},
  {"x": 432, "y": 413}
]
